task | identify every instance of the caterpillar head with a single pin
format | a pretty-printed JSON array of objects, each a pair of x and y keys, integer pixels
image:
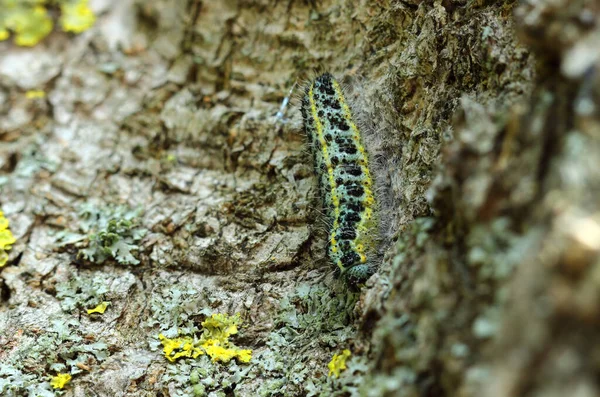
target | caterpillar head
[{"x": 359, "y": 274}]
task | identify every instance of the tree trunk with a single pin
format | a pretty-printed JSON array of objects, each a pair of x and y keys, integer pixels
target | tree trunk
[{"x": 156, "y": 175}]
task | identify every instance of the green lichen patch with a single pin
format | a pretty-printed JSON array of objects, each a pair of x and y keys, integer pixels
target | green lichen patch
[
  {"x": 176, "y": 307},
  {"x": 106, "y": 233},
  {"x": 196, "y": 341},
  {"x": 82, "y": 293},
  {"x": 15, "y": 382},
  {"x": 313, "y": 316},
  {"x": 200, "y": 377},
  {"x": 317, "y": 310},
  {"x": 62, "y": 348},
  {"x": 349, "y": 383},
  {"x": 117, "y": 241},
  {"x": 319, "y": 317}
]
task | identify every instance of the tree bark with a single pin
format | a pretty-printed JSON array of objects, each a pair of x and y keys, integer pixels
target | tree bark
[{"x": 482, "y": 125}]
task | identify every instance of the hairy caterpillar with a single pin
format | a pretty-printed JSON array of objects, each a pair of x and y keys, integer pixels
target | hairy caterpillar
[{"x": 345, "y": 182}]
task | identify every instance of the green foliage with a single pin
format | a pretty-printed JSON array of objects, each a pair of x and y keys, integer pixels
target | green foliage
[{"x": 30, "y": 21}]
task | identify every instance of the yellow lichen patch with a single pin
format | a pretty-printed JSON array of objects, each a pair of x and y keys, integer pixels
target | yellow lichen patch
[
  {"x": 35, "y": 94},
  {"x": 101, "y": 308},
  {"x": 76, "y": 16},
  {"x": 244, "y": 355},
  {"x": 215, "y": 336},
  {"x": 60, "y": 380},
  {"x": 338, "y": 363},
  {"x": 29, "y": 23},
  {"x": 214, "y": 341},
  {"x": 179, "y": 347},
  {"x": 6, "y": 239},
  {"x": 30, "y": 20},
  {"x": 220, "y": 326},
  {"x": 219, "y": 353}
]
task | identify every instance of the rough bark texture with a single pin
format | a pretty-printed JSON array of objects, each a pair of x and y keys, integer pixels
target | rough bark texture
[{"x": 482, "y": 119}]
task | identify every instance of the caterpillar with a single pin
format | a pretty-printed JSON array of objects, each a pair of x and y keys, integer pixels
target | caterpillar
[{"x": 345, "y": 182}]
